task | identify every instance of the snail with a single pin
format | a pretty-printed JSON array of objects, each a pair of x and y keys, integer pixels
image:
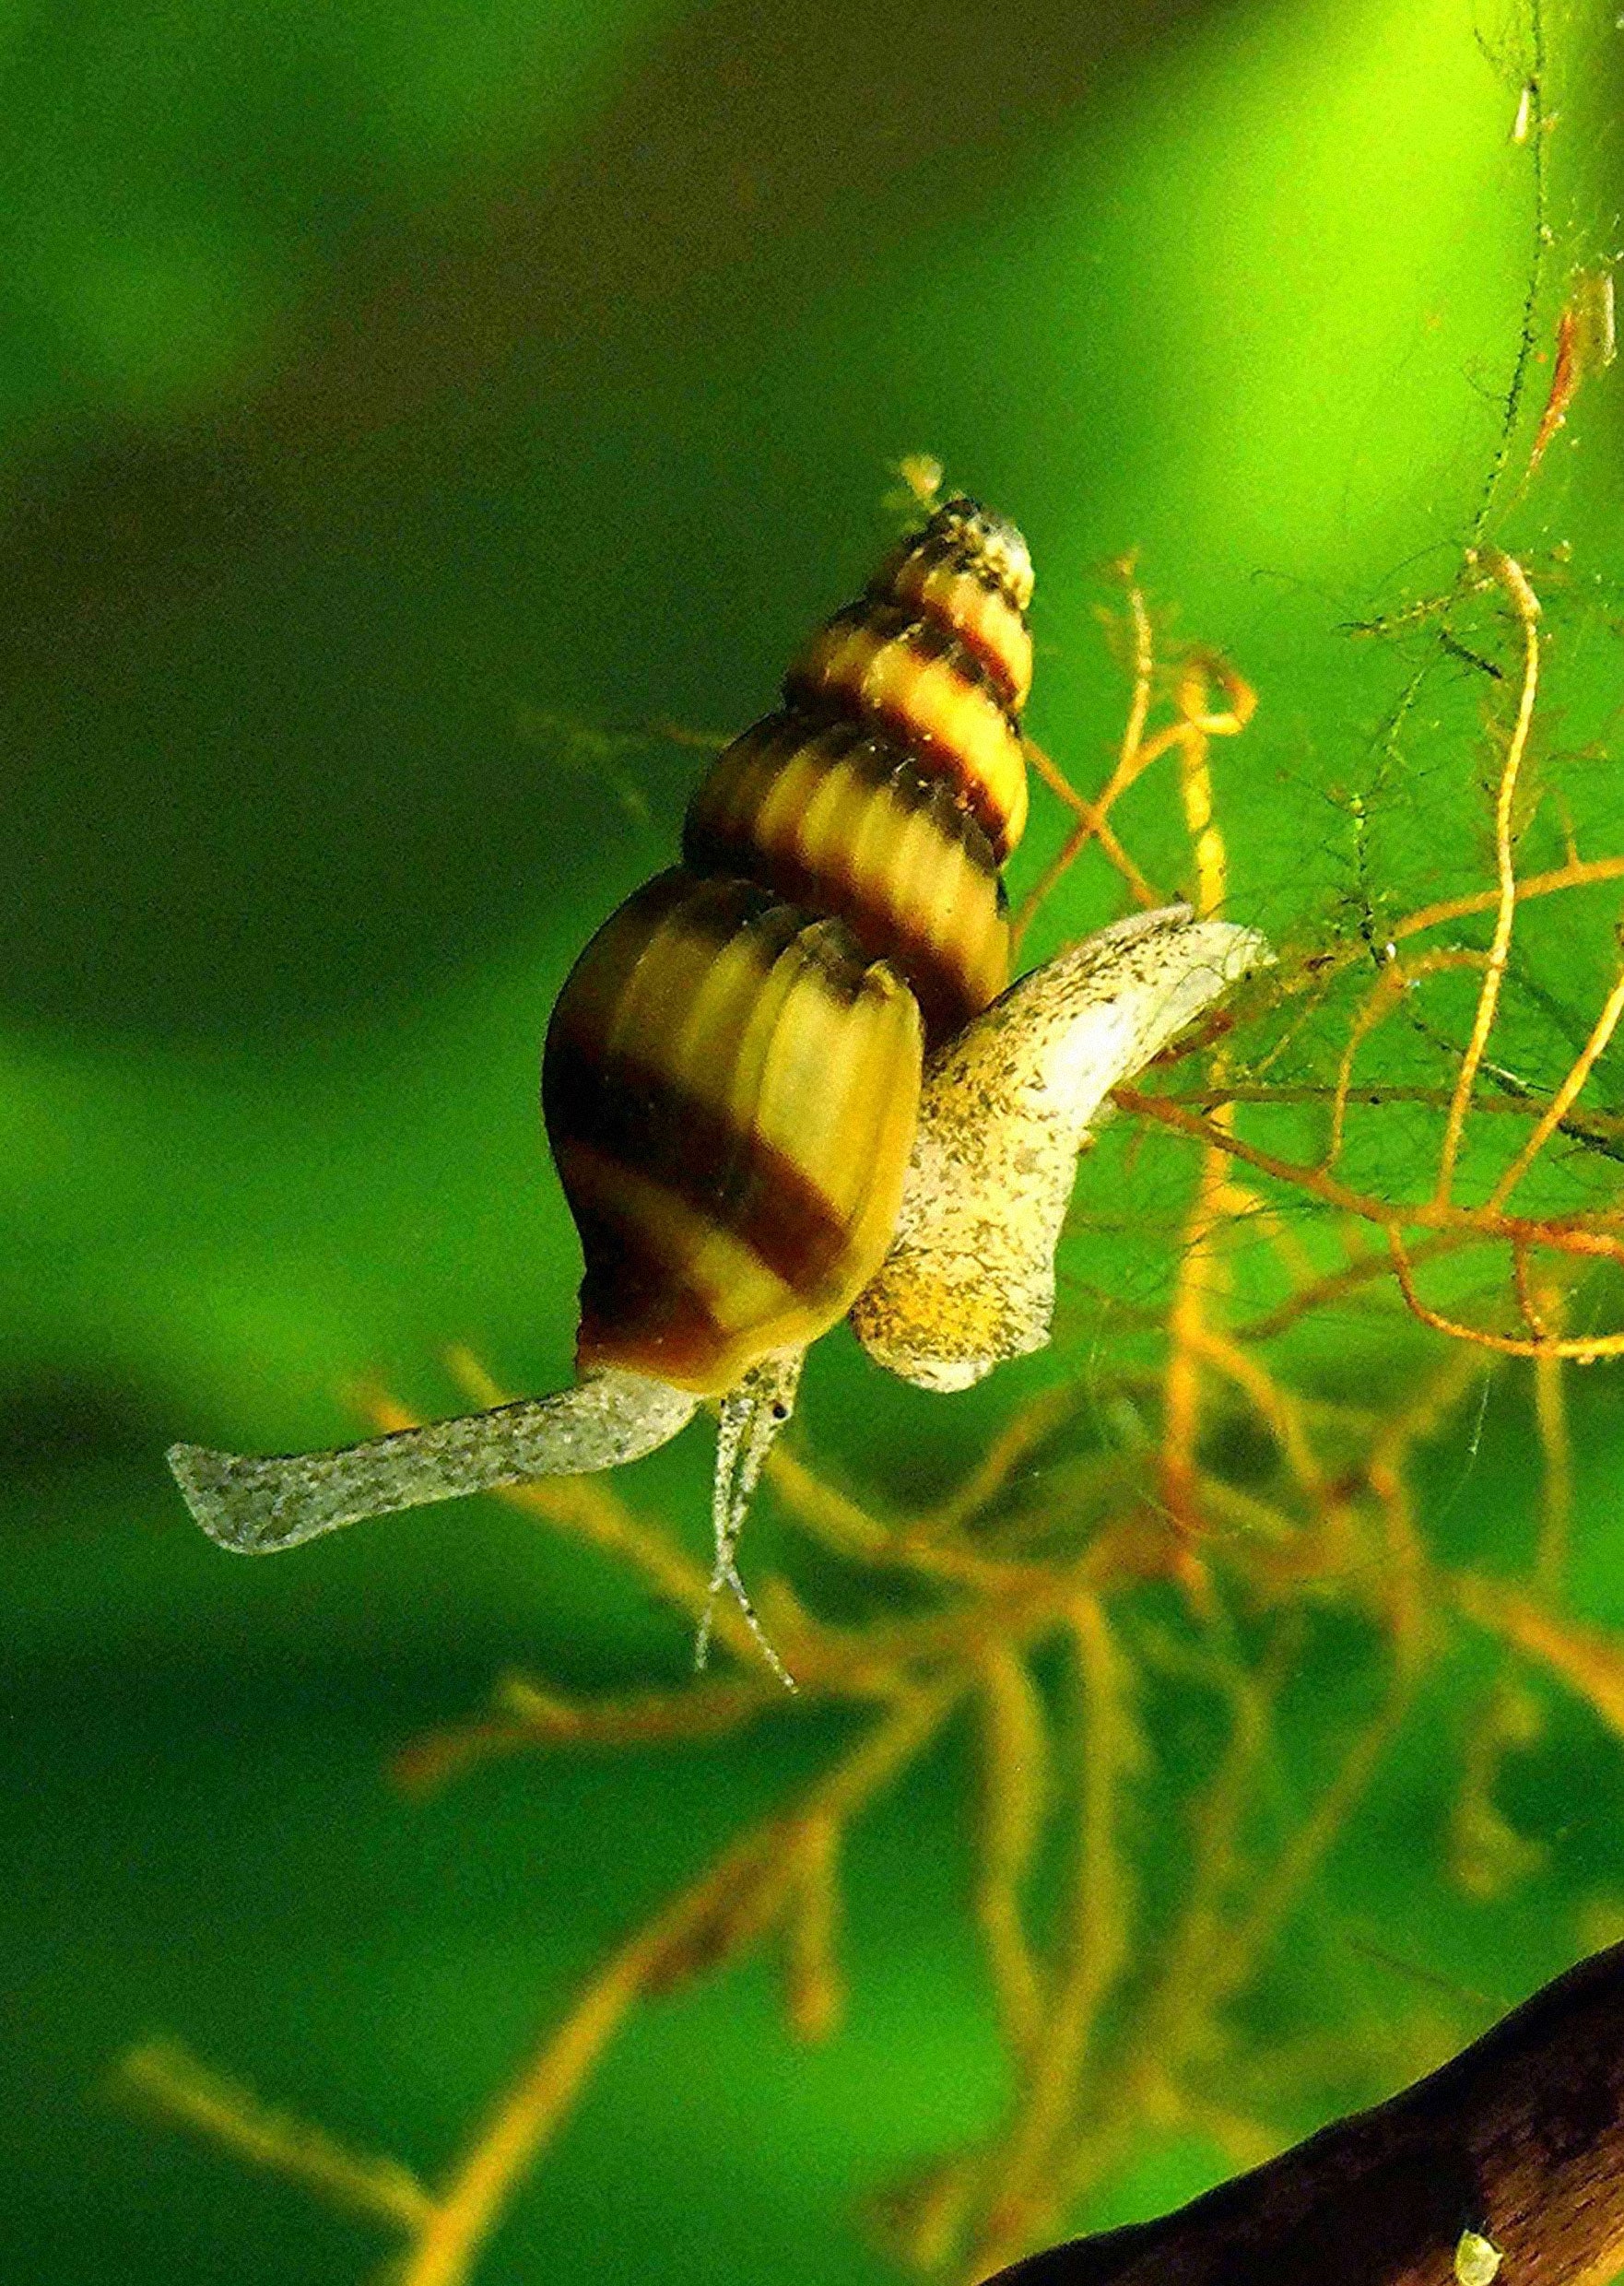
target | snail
[{"x": 788, "y": 1080}]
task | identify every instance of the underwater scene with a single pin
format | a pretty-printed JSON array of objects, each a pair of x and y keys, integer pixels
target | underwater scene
[{"x": 1054, "y": 575}]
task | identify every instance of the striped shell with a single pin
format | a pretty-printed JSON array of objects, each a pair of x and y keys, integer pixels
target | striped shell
[{"x": 731, "y": 1081}]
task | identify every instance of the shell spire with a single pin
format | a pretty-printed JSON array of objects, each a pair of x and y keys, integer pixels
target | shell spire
[{"x": 892, "y": 786}]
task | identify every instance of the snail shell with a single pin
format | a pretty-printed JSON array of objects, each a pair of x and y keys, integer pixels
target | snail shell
[{"x": 732, "y": 1074}]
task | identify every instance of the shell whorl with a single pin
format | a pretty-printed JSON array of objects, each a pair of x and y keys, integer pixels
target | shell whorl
[
  {"x": 730, "y": 1090},
  {"x": 732, "y": 1072},
  {"x": 892, "y": 782}
]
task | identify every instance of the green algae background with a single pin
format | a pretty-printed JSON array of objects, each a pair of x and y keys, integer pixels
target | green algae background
[{"x": 380, "y": 393}]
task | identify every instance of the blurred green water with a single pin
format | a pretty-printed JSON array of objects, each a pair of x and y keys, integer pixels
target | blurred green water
[{"x": 372, "y": 384}]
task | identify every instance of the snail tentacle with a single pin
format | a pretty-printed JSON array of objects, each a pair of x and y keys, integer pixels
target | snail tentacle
[
  {"x": 752, "y": 1415},
  {"x": 256, "y": 1506}
]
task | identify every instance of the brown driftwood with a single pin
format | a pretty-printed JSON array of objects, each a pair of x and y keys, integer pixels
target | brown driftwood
[{"x": 1520, "y": 2139}]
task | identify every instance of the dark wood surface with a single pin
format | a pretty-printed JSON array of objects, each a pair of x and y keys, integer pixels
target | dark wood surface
[{"x": 1520, "y": 2138}]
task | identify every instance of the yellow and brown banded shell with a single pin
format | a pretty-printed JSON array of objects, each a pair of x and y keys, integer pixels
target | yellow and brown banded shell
[
  {"x": 837, "y": 820},
  {"x": 969, "y": 573},
  {"x": 732, "y": 1069},
  {"x": 919, "y": 686},
  {"x": 731, "y": 1092}
]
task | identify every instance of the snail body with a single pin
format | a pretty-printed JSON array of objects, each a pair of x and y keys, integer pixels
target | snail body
[{"x": 732, "y": 1073}]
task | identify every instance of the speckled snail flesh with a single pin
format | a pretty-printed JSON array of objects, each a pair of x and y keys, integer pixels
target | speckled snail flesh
[
  {"x": 969, "y": 1279},
  {"x": 749, "y": 1135}
]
